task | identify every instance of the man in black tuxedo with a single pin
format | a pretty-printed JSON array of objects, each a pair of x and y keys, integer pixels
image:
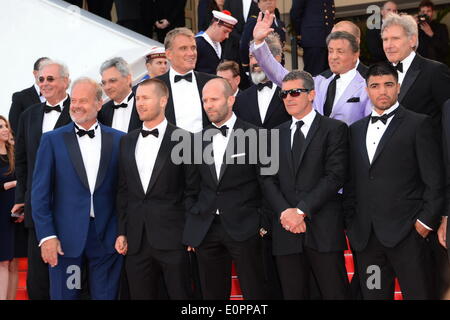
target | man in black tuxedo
[
  {"x": 260, "y": 104},
  {"x": 224, "y": 223},
  {"x": 423, "y": 83},
  {"x": 184, "y": 107},
  {"x": 53, "y": 78},
  {"x": 151, "y": 201},
  {"x": 395, "y": 193},
  {"x": 120, "y": 112},
  {"x": 424, "y": 89},
  {"x": 209, "y": 48},
  {"x": 25, "y": 98},
  {"x": 308, "y": 221},
  {"x": 169, "y": 14}
]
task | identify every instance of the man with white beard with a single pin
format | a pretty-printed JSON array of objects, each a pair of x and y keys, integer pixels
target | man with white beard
[{"x": 260, "y": 104}]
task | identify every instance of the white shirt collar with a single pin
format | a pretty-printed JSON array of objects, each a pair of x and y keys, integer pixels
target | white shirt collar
[
  {"x": 307, "y": 120},
  {"x": 407, "y": 61},
  {"x": 173, "y": 73},
  {"x": 94, "y": 127},
  {"x": 229, "y": 123},
  {"x": 60, "y": 103},
  {"x": 209, "y": 40},
  {"x": 127, "y": 98},
  {"x": 349, "y": 75},
  {"x": 387, "y": 111}
]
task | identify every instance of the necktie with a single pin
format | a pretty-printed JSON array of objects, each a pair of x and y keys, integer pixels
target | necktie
[
  {"x": 267, "y": 84},
  {"x": 82, "y": 132},
  {"x": 384, "y": 118},
  {"x": 187, "y": 77},
  {"x": 153, "y": 132},
  {"x": 399, "y": 67},
  {"x": 48, "y": 108},
  {"x": 331, "y": 93},
  {"x": 223, "y": 130},
  {"x": 297, "y": 143}
]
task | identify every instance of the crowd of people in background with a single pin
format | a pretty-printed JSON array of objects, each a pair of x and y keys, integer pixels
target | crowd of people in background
[{"x": 362, "y": 150}]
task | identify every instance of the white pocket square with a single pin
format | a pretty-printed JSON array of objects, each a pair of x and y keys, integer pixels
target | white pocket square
[{"x": 237, "y": 155}]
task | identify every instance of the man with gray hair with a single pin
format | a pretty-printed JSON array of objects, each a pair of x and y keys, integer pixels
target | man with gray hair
[
  {"x": 120, "y": 112},
  {"x": 53, "y": 79},
  {"x": 340, "y": 91},
  {"x": 424, "y": 88},
  {"x": 260, "y": 104},
  {"x": 73, "y": 196},
  {"x": 424, "y": 83},
  {"x": 308, "y": 223}
]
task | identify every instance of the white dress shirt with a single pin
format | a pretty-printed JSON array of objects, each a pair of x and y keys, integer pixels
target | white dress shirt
[
  {"x": 264, "y": 98},
  {"x": 246, "y": 8},
  {"x": 307, "y": 122},
  {"x": 146, "y": 152},
  {"x": 342, "y": 83},
  {"x": 220, "y": 145},
  {"x": 406, "y": 64},
  {"x": 186, "y": 102},
  {"x": 50, "y": 119},
  {"x": 375, "y": 132},
  {"x": 122, "y": 116},
  {"x": 216, "y": 45},
  {"x": 90, "y": 152},
  {"x": 38, "y": 91}
]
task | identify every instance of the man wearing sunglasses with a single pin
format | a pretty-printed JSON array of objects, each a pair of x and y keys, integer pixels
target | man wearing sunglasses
[
  {"x": 340, "y": 91},
  {"x": 53, "y": 79},
  {"x": 308, "y": 224}
]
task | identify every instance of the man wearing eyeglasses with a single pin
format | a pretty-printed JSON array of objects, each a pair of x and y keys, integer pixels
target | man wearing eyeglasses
[
  {"x": 120, "y": 112},
  {"x": 308, "y": 224},
  {"x": 53, "y": 79},
  {"x": 340, "y": 90}
]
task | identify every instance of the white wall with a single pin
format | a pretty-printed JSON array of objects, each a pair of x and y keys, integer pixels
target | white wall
[{"x": 30, "y": 29}]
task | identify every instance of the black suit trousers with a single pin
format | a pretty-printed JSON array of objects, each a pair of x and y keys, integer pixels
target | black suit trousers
[
  {"x": 328, "y": 270},
  {"x": 215, "y": 255},
  {"x": 144, "y": 270},
  {"x": 38, "y": 283},
  {"x": 409, "y": 261}
]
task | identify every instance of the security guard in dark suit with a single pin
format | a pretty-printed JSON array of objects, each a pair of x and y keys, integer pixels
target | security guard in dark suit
[{"x": 313, "y": 21}]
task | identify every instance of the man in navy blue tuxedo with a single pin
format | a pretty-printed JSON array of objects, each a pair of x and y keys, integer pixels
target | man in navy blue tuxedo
[{"x": 73, "y": 198}]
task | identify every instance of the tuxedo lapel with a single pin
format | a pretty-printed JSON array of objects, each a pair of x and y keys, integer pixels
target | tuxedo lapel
[
  {"x": 130, "y": 151},
  {"x": 229, "y": 150},
  {"x": 73, "y": 147},
  {"x": 211, "y": 166},
  {"x": 163, "y": 153},
  {"x": 273, "y": 105},
  {"x": 107, "y": 114},
  {"x": 64, "y": 117},
  {"x": 105, "y": 157},
  {"x": 393, "y": 125},
  {"x": 134, "y": 120},
  {"x": 361, "y": 134},
  {"x": 200, "y": 84},
  {"x": 36, "y": 126},
  {"x": 254, "y": 107},
  {"x": 411, "y": 75},
  {"x": 312, "y": 131},
  {"x": 170, "y": 110}
]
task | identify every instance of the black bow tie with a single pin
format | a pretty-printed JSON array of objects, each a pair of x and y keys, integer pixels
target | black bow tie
[
  {"x": 122, "y": 105},
  {"x": 48, "y": 109},
  {"x": 187, "y": 77},
  {"x": 267, "y": 84},
  {"x": 82, "y": 132},
  {"x": 223, "y": 130},
  {"x": 384, "y": 118},
  {"x": 399, "y": 67},
  {"x": 153, "y": 132}
]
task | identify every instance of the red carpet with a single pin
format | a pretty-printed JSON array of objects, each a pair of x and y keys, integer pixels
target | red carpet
[{"x": 236, "y": 293}]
